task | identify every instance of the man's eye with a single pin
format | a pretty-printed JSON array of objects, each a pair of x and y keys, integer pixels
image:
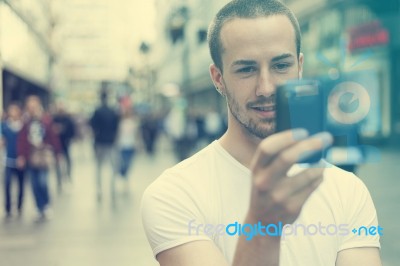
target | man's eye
[
  {"x": 282, "y": 66},
  {"x": 248, "y": 69}
]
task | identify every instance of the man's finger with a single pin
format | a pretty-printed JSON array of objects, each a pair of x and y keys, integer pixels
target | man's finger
[
  {"x": 279, "y": 165},
  {"x": 295, "y": 184},
  {"x": 299, "y": 151},
  {"x": 272, "y": 145}
]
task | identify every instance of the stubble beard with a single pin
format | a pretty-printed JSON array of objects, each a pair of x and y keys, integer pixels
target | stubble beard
[{"x": 260, "y": 129}]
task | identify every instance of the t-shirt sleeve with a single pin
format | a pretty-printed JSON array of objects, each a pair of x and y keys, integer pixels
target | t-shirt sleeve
[
  {"x": 167, "y": 210},
  {"x": 361, "y": 216}
]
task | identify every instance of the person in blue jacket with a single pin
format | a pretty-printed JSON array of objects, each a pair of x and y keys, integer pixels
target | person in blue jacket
[{"x": 10, "y": 128}]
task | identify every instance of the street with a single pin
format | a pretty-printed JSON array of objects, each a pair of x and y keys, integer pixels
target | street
[{"x": 83, "y": 231}]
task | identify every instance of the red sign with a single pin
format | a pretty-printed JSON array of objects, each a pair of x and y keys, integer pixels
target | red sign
[{"x": 368, "y": 35}]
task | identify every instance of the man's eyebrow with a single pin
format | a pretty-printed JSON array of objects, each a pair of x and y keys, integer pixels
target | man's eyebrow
[
  {"x": 244, "y": 62},
  {"x": 280, "y": 57}
]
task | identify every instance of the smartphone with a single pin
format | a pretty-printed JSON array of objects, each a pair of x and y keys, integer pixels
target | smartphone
[{"x": 301, "y": 104}]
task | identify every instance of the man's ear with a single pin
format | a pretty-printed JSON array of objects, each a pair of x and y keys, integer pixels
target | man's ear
[
  {"x": 216, "y": 76},
  {"x": 301, "y": 61}
]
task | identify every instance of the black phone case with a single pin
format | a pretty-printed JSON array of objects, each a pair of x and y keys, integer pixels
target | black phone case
[{"x": 300, "y": 104}]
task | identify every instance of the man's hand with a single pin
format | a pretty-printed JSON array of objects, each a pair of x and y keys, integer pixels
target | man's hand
[
  {"x": 275, "y": 196},
  {"x": 60, "y": 157},
  {"x": 21, "y": 162}
]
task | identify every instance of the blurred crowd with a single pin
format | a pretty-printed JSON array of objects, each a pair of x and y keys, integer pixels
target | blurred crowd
[{"x": 35, "y": 144}]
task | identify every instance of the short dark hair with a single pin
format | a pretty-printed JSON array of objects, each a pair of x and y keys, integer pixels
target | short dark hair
[
  {"x": 246, "y": 9},
  {"x": 14, "y": 103}
]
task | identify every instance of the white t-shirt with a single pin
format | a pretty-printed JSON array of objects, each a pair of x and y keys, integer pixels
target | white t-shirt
[
  {"x": 127, "y": 133},
  {"x": 213, "y": 188}
]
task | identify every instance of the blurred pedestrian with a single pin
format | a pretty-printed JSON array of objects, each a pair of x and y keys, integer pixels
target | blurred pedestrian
[
  {"x": 175, "y": 126},
  {"x": 10, "y": 129},
  {"x": 104, "y": 123},
  {"x": 126, "y": 141},
  {"x": 181, "y": 127},
  {"x": 213, "y": 124},
  {"x": 64, "y": 126},
  {"x": 200, "y": 125},
  {"x": 150, "y": 127},
  {"x": 37, "y": 145}
]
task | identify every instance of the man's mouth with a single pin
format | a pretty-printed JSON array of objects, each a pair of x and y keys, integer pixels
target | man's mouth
[
  {"x": 264, "y": 108},
  {"x": 265, "y": 111}
]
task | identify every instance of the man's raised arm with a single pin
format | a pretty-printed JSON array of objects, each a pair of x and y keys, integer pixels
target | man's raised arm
[{"x": 275, "y": 198}]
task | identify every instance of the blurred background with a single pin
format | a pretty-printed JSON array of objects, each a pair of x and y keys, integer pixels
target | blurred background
[{"x": 150, "y": 60}]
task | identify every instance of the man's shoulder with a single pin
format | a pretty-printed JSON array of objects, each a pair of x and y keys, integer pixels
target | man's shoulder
[
  {"x": 185, "y": 180},
  {"x": 339, "y": 176},
  {"x": 190, "y": 168},
  {"x": 184, "y": 188},
  {"x": 337, "y": 182},
  {"x": 333, "y": 172},
  {"x": 179, "y": 195},
  {"x": 341, "y": 185}
]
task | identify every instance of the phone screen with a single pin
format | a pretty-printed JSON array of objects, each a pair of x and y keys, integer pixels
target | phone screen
[
  {"x": 345, "y": 106},
  {"x": 300, "y": 104}
]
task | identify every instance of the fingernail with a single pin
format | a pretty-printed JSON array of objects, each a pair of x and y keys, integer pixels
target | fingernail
[
  {"x": 325, "y": 137},
  {"x": 299, "y": 133}
]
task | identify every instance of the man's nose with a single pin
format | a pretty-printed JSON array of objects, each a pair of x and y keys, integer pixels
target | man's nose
[{"x": 265, "y": 84}]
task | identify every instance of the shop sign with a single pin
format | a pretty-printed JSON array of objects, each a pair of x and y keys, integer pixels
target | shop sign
[{"x": 368, "y": 35}]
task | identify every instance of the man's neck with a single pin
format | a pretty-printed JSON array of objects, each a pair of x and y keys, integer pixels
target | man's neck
[{"x": 240, "y": 145}]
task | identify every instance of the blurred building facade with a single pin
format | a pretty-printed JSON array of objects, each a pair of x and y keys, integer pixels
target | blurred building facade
[
  {"x": 66, "y": 49},
  {"x": 182, "y": 52},
  {"x": 25, "y": 50},
  {"x": 95, "y": 50},
  {"x": 338, "y": 36},
  {"x": 351, "y": 36}
]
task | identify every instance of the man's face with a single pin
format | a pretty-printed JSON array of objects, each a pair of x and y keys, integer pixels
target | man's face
[
  {"x": 258, "y": 54},
  {"x": 14, "y": 112},
  {"x": 34, "y": 107}
]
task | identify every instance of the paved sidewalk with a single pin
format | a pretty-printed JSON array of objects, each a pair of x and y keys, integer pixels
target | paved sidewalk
[
  {"x": 383, "y": 181},
  {"x": 84, "y": 232}
]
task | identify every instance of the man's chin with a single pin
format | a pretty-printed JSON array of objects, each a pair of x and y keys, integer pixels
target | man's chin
[
  {"x": 268, "y": 126},
  {"x": 263, "y": 130}
]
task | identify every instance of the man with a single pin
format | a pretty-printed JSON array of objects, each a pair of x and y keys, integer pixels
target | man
[
  {"x": 64, "y": 126},
  {"x": 37, "y": 145},
  {"x": 104, "y": 123},
  {"x": 10, "y": 129},
  {"x": 249, "y": 176}
]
